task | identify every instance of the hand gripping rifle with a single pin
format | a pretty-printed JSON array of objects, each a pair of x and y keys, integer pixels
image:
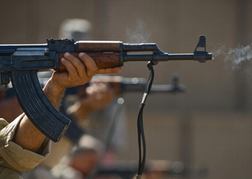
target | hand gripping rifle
[{"x": 21, "y": 62}]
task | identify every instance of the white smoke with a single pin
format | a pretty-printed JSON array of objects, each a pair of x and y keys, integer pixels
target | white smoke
[
  {"x": 219, "y": 50},
  {"x": 139, "y": 34},
  {"x": 236, "y": 56},
  {"x": 239, "y": 54}
]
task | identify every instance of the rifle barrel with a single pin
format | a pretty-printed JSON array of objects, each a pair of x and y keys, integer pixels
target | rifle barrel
[{"x": 166, "y": 56}]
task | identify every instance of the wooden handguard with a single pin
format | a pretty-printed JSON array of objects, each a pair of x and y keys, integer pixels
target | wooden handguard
[
  {"x": 104, "y": 53},
  {"x": 102, "y": 60},
  {"x": 99, "y": 46}
]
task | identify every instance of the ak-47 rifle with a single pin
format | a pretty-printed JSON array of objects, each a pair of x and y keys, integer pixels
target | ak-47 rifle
[{"x": 21, "y": 62}]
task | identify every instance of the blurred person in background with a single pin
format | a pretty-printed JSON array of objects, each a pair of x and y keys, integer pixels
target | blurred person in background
[
  {"x": 108, "y": 124},
  {"x": 80, "y": 161}
]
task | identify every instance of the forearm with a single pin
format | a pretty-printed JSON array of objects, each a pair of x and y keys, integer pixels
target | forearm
[
  {"x": 53, "y": 93},
  {"x": 13, "y": 156},
  {"x": 28, "y": 136}
]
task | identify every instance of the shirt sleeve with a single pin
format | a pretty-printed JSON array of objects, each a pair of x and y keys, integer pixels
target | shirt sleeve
[{"x": 12, "y": 155}]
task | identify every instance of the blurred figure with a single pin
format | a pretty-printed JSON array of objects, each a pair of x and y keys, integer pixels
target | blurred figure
[
  {"x": 100, "y": 124},
  {"x": 77, "y": 29},
  {"x": 80, "y": 161},
  {"x": 108, "y": 125},
  {"x": 101, "y": 120}
]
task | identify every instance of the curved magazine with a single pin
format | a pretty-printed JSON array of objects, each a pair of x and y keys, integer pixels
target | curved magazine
[{"x": 36, "y": 106}]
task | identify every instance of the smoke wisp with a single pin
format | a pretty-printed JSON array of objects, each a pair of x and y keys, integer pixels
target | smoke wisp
[
  {"x": 236, "y": 56},
  {"x": 139, "y": 34}
]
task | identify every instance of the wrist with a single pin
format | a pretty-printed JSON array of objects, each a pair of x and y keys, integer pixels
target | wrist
[{"x": 53, "y": 93}]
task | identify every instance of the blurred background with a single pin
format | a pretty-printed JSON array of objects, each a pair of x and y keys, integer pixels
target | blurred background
[{"x": 210, "y": 124}]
